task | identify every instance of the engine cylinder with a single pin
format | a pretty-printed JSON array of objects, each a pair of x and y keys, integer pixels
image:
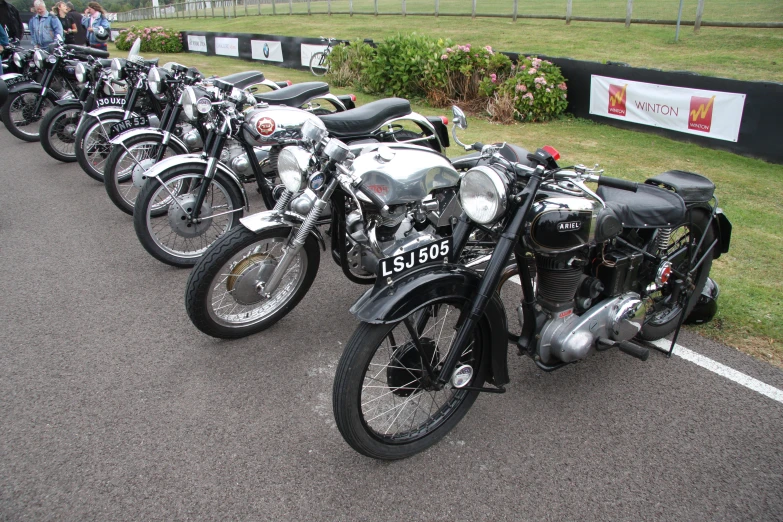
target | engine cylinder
[{"x": 558, "y": 278}]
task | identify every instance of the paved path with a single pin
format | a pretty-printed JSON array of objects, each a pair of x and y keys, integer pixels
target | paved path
[{"x": 114, "y": 407}]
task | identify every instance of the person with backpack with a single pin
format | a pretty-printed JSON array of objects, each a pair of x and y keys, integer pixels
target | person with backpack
[
  {"x": 44, "y": 27},
  {"x": 10, "y": 20},
  {"x": 98, "y": 27}
]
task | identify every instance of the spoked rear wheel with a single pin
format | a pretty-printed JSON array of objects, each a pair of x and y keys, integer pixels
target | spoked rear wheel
[{"x": 385, "y": 400}]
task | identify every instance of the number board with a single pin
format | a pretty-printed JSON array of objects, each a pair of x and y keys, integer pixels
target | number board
[
  {"x": 126, "y": 125},
  {"x": 401, "y": 263}
]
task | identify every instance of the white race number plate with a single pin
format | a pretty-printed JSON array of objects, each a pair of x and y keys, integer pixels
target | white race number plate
[{"x": 395, "y": 265}]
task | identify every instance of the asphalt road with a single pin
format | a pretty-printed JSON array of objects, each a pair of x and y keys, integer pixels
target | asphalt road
[{"x": 114, "y": 407}]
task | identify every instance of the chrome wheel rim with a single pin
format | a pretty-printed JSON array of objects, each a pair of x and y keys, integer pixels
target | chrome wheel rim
[
  {"x": 132, "y": 163},
  {"x": 21, "y": 113},
  {"x": 62, "y": 132},
  {"x": 96, "y": 145}
]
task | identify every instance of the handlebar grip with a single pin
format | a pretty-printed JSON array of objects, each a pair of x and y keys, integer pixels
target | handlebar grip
[
  {"x": 376, "y": 200},
  {"x": 618, "y": 183},
  {"x": 477, "y": 146}
]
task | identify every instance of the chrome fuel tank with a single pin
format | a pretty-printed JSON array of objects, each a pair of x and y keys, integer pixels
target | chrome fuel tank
[
  {"x": 278, "y": 123},
  {"x": 404, "y": 173}
]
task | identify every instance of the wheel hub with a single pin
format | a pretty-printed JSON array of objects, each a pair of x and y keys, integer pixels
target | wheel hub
[
  {"x": 67, "y": 133},
  {"x": 406, "y": 374},
  {"x": 243, "y": 279},
  {"x": 180, "y": 217},
  {"x": 139, "y": 173}
]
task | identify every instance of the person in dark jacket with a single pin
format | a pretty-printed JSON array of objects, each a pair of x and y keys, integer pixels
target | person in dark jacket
[
  {"x": 60, "y": 10},
  {"x": 80, "y": 37},
  {"x": 10, "y": 20}
]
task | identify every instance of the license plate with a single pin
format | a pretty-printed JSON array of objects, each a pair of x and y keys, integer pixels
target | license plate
[
  {"x": 17, "y": 79},
  {"x": 113, "y": 101},
  {"x": 401, "y": 263},
  {"x": 125, "y": 125}
]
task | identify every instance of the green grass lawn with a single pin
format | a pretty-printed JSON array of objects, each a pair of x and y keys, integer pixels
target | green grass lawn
[{"x": 751, "y": 311}]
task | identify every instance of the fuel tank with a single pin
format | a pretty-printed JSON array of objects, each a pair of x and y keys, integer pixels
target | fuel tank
[
  {"x": 401, "y": 173},
  {"x": 276, "y": 123},
  {"x": 561, "y": 224}
]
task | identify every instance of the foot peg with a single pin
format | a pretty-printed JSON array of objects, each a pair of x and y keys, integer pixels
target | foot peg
[{"x": 627, "y": 347}]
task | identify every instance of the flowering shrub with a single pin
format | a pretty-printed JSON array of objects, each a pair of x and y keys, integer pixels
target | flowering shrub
[
  {"x": 153, "y": 39},
  {"x": 346, "y": 63},
  {"x": 464, "y": 70},
  {"x": 537, "y": 88}
]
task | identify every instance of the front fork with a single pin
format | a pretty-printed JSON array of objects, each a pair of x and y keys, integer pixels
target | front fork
[{"x": 209, "y": 174}]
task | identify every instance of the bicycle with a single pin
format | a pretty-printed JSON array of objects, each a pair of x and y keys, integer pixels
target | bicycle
[{"x": 318, "y": 65}]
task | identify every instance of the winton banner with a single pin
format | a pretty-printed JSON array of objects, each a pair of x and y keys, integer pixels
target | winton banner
[{"x": 705, "y": 113}]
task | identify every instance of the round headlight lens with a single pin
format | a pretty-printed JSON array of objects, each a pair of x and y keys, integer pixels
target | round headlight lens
[
  {"x": 81, "y": 72},
  {"x": 188, "y": 101},
  {"x": 18, "y": 60},
  {"x": 116, "y": 69},
  {"x": 483, "y": 193},
  {"x": 292, "y": 167},
  {"x": 38, "y": 58},
  {"x": 155, "y": 81}
]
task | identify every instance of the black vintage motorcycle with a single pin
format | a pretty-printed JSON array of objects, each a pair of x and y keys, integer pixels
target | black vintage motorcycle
[{"x": 627, "y": 262}]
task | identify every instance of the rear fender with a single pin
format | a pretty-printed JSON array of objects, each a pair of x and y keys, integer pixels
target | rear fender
[
  {"x": 196, "y": 160},
  {"x": 334, "y": 100},
  {"x": 271, "y": 220},
  {"x": 70, "y": 102},
  {"x": 389, "y": 303},
  {"x": 724, "y": 233},
  {"x": 174, "y": 140}
]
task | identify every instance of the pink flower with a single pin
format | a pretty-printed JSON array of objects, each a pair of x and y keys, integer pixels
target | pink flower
[
  {"x": 448, "y": 49},
  {"x": 493, "y": 77},
  {"x": 538, "y": 86},
  {"x": 489, "y": 49},
  {"x": 562, "y": 86},
  {"x": 540, "y": 81},
  {"x": 529, "y": 96},
  {"x": 548, "y": 89},
  {"x": 521, "y": 88},
  {"x": 444, "y": 57},
  {"x": 523, "y": 66},
  {"x": 532, "y": 71}
]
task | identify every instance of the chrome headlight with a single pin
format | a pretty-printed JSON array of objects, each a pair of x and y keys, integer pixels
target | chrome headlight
[
  {"x": 38, "y": 58},
  {"x": 18, "y": 60},
  {"x": 81, "y": 72},
  {"x": 292, "y": 167},
  {"x": 116, "y": 69},
  {"x": 483, "y": 193},
  {"x": 155, "y": 81},
  {"x": 188, "y": 102}
]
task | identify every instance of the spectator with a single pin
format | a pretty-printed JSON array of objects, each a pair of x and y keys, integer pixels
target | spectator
[
  {"x": 96, "y": 17},
  {"x": 80, "y": 37},
  {"x": 3, "y": 39},
  {"x": 43, "y": 26},
  {"x": 10, "y": 20},
  {"x": 69, "y": 27}
]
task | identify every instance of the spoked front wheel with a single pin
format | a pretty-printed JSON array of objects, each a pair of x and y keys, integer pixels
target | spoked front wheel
[
  {"x": 93, "y": 147},
  {"x": 318, "y": 64},
  {"x": 58, "y": 133},
  {"x": 222, "y": 296},
  {"x": 21, "y": 117},
  {"x": 163, "y": 213},
  {"x": 386, "y": 401}
]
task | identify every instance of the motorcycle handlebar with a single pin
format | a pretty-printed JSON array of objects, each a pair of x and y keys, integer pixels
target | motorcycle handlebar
[{"x": 618, "y": 183}]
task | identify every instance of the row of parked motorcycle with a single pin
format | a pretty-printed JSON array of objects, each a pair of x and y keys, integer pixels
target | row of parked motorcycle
[{"x": 442, "y": 242}]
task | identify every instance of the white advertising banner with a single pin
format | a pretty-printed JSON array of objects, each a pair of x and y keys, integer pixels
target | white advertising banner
[
  {"x": 705, "y": 113},
  {"x": 308, "y": 50},
  {"x": 197, "y": 43},
  {"x": 266, "y": 50},
  {"x": 226, "y": 46}
]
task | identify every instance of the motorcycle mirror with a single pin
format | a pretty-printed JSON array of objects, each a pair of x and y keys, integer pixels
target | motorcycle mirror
[
  {"x": 458, "y": 117},
  {"x": 134, "y": 51}
]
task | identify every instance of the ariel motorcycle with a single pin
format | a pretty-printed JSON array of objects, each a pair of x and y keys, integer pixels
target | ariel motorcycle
[
  {"x": 380, "y": 200},
  {"x": 183, "y": 131},
  {"x": 58, "y": 126},
  {"x": 613, "y": 268},
  {"x": 196, "y": 217},
  {"x": 28, "y": 102}
]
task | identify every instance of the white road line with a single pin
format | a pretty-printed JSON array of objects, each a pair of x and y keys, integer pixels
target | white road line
[
  {"x": 715, "y": 367},
  {"x": 723, "y": 370}
]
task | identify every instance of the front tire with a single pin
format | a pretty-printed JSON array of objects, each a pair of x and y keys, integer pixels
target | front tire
[
  {"x": 220, "y": 296},
  {"x": 169, "y": 236},
  {"x": 123, "y": 175},
  {"x": 317, "y": 65},
  {"x": 58, "y": 133},
  {"x": 93, "y": 147},
  {"x": 384, "y": 403},
  {"x": 18, "y": 114}
]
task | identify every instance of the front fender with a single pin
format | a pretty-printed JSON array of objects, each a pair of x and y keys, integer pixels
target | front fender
[
  {"x": 196, "y": 160},
  {"x": 25, "y": 87},
  {"x": 69, "y": 102},
  {"x": 389, "y": 303},
  {"x": 270, "y": 220},
  {"x": 149, "y": 131},
  {"x": 104, "y": 113}
]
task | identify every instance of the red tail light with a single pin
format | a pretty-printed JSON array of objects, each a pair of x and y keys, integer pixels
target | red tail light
[
  {"x": 353, "y": 97},
  {"x": 289, "y": 82},
  {"x": 445, "y": 120},
  {"x": 552, "y": 151}
]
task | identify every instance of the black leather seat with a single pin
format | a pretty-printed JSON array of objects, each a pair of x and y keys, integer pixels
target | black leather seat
[
  {"x": 649, "y": 207},
  {"x": 365, "y": 119},
  {"x": 244, "y": 79},
  {"x": 294, "y": 95},
  {"x": 692, "y": 187}
]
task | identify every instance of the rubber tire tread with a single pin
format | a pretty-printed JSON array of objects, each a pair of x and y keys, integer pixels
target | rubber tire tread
[
  {"x": 346, "y": 399},
  {"x": 6, "y": 118},
  {"x": 114, "y": 157},
  {"x": 653, "y": 333},
  {"x": 143, "y": 200},
  {"x": 202, "y": 278},
  {"x": 46, "y": 122}
]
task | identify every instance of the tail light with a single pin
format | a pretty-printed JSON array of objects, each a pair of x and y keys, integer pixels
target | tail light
[
  {"x": 445, "y": 120},
  {"x": 552, "y": 151}
]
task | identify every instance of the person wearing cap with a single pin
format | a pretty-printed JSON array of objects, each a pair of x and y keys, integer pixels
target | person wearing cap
[
  {"x": 44, "y": 27},
  {"x": 80, "y": 36},
  {"x": 95, "y": 18}
]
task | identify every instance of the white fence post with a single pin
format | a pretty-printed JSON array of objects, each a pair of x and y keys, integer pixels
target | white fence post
[
  {"x": 628, "y": 13},
  {"x": 699, "y": 14},
  {"x": 568, "y": 11},
  {"x": 473, "y": 15},
  {"x": 403, "y": 8},
  {"x": 516, "y": 10}
]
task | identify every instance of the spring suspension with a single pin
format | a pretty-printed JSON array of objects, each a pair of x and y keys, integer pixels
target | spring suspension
[
  {"x": 282, "y": 203},
  {"x": 664, "y": 235},
  {"x": 309, "y": 223}
]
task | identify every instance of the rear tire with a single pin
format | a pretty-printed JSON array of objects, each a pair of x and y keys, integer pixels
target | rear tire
[{"x": 58, "y": 133}]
